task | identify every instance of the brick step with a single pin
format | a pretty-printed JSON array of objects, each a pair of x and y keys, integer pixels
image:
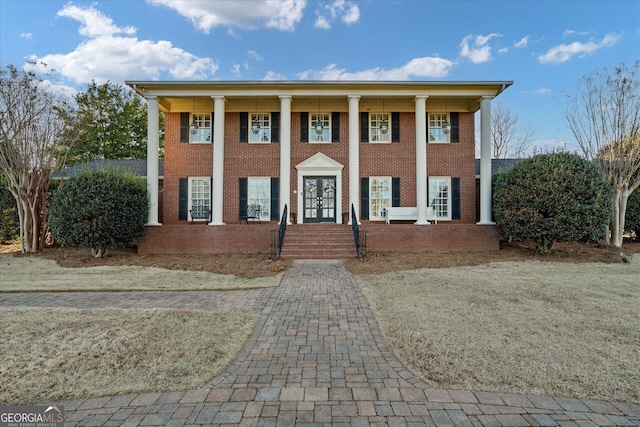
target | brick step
[{"x": 318, "y": 241}]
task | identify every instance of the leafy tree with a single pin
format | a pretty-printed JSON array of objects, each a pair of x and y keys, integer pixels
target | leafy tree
[
  {"x": 556, "y": 197},
  {"x": 632, "y": 224},
  {"x": 9, "y": 221},
  {"x": 113, "y": 124},
  {"x": 35, "y": 134},
  {"x": 102, "y": 210},
  {"x": 604, "y": 116}
]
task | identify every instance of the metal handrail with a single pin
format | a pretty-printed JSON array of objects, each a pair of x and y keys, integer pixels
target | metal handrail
[
  {"x": 359, "y": 236},
  {"x": 276, "y": 247}
]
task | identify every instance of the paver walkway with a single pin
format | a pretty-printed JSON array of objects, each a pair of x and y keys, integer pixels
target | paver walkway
[{"x": 315, "y": 358}]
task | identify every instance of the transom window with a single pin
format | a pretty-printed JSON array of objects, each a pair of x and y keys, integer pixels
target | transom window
[
  {"x": 260, "y": 131},
  {"x": 259, "y": 193},
  {"x": 379, "y": 125},
  {"x": 203, "y": 123},
  {"x": 320, "y": 129},
  {"x": 379, "y": 197},
  {"x": 200, "y": 192},
  {"x": 437, "y": 131},
  {"x": 440, "y": 196}
]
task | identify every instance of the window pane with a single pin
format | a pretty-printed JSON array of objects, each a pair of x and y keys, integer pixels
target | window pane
[
  {"x": 203, "y": 122},
  {"x": 440, "y": 196},
  {"x": 260, "y": 194},
  {"x": 200, "y": 192},
  {"x": 323, "y": 120},
  {"x": 436, "y": 127},
  {"x": 379, "y": 197},
  {"x": 263, "y": 130},
  {"x": 376, "y": 134}
]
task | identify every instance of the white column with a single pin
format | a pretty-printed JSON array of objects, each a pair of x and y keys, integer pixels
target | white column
[
  {"x": 485, "y": 161},
  {"x": 218, "y": 161},
  {"x": 152, "y": 158},
  {"x": 354, "y": 155},
  {"x": 285, "y": 156},
  {"x": 421, "y": 159}
]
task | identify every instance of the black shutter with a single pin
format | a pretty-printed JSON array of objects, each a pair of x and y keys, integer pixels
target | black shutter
[
  {"x": 275, "y": 192},
  {"x": 395, "y": 192},
  {"x": 184, "y": 127},
  {"x": 335, "y": 127},
  {"x": 427, "y": 118},
  {"x": 244, "y": 127},
  {"x": 304, "y": 127},
  {"x": 243, "y": 185},
  {"x": 275, "y": 127},
  {"x": 364, "y": 128},
  {"x": 211, "y": 133},
  {"x": 428, "y": 201},
  {"x": 395, "y": 127},
  {"x": 210, "y": 199},
  {"x": 364, "y": 198},
  {"x": 455, "y": 127},
  {"x": 183, "y": 199},
  {"x": 455, "y": 198}
]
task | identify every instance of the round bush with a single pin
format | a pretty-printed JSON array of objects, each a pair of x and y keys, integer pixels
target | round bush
[
  {"x": 556, "y": 197},
  {"x": 102, "y": 210},
  {"x": 632, "y": 215}
]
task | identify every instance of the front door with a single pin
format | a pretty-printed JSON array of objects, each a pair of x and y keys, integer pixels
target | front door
[{"x": 319, "y": 199}]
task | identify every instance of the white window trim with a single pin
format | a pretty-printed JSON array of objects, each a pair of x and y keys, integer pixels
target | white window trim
[
  {"x": 190, "y": 194},
  {"x": 371, "y": 127},
  {"x": 448, "y": 118},
  {"x": 449, "y": 197},
  {"x": 312, "y": 129},
  {"x": 261, "y": 133},
  {"x": 191, "y": 141},
  {"x": 263, "y": 215},
  {"x": 371, "y": 210}
]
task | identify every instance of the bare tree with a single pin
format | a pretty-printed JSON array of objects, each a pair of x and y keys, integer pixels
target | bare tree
[
  {"x": 508, "y": 138},
  {"x": 34, "y": 136},
  {"x": 603, "y": 113}
]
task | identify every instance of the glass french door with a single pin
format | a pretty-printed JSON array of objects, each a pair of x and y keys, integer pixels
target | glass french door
[{"x": 319, "y": 199}]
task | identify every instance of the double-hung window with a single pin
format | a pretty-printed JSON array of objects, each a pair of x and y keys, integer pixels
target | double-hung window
[
  {"x": 320, "y": 129},
  {"x": 203, "y": 126},
  {"x": 440, "y": 196},
  {"x": 437, "y": 131},
  {"x": 260, "y": 128},
  {"x": 200, "y": 193},
  {"x": 379, "y": 197},
  {"x": 259, "y": 193},
  {"x": 379, "y": 127}
]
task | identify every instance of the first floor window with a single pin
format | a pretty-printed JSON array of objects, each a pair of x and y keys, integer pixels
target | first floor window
[
  {"x": 260, "y": 128},
  {"x": 259, "y": 193},
  {"x": 440, "y": 196},
  {"x": 379, "y": 125},
  {"x": 436, "y": 127},
  {"x": 320, "y": 130},
  {"x": 203, "y": 125},
  {"x": 379, "y": 197},
  {"x": 200, "y": 193}
]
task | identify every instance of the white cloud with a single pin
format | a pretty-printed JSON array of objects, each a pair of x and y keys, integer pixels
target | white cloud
[
  {"x": 542, "y": 91},
  {"x": 523, "y": 42},
  {"x": 204, "y": 15},
  {"x": 480, "y": 51},
  {"x": 236, "y": 70},
  {"x": 105, "y": 55},
  {"x": 27, "y": 36},
  {"x": 255, "y": 55},
  {"x": 565, "y": 52},
  {"x": 572, "y": 32},
  {"x": 347, "y": 11},
  {"x": 272, "y": 75},
  {"x": 418, "y": 67}
]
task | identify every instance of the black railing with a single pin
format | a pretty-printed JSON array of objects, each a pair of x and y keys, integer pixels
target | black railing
[
  {"x": 277, "y": 236},
  {"x": 359, "y": 236}
]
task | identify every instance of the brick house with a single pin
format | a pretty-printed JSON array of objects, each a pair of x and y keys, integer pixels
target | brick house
[{"x": 248, "y": 149}]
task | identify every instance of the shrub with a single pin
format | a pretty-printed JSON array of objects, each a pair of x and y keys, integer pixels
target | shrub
[
  {"x": 556, "y": 197},
  {"x": 9, "y": 221},
  {"x": 632, "y": 217},
  {"x": 102, "y": 210}
]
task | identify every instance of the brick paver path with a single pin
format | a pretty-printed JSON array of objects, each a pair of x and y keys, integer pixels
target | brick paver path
[{"x": 315, "y": 358}]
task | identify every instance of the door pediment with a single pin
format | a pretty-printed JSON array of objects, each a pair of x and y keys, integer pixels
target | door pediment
[{"x": 319, "y": 161}]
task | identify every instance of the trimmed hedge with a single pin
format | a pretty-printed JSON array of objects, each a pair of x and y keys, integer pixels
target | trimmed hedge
[
  {"x": 102, "y": 210},
  {"x": 556, "y": 197},
  {"x": 632, "y": 215}
]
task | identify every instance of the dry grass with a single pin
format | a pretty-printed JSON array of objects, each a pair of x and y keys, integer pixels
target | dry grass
[
  {"x": 520, "y": 327},
  {"x": 35, "y": 274},
  {"x": 53, "y": 354}
]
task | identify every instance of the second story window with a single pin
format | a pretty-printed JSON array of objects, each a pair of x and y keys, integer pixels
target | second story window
[
  {"x": 320, "y": 129},
  {"x": 379, "y": 124},
  {"x": 437, "y": 132},
  {"x": 260, "y": 128},
  {"x": 202, "y": 128}
]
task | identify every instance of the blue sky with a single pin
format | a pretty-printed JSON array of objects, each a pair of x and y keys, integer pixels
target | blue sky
[{"x": 544, "y": 46}]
